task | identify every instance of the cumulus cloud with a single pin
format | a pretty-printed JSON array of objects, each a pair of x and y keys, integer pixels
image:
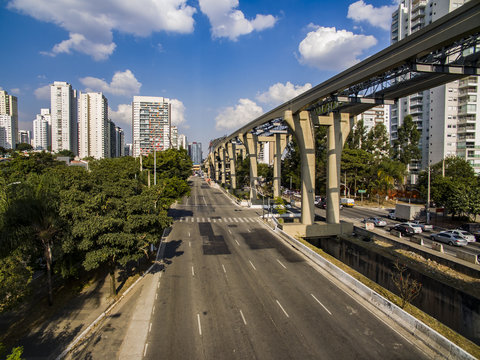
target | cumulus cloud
[
  {"x": 233, "y": 117},
  {"x": 90, "y": 24},
  {"x": 327, "y": 48},
  {"x": 379, "y": 17},
  {"x": 15, "y": 91},
  {"x": 42, "y": 93},
  {"x": 123, "y": 83},
  {"x": 227, "y": 21},
  {"x": 122, "y": 116},
  {"x": 279, "y": 93},
  {"x": 178, "y": 112}
]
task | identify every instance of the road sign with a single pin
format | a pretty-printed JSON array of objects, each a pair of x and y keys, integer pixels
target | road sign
[{"x": 362, "y": 191}]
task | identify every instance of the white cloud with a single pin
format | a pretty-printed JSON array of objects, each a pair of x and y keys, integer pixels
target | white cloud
[
  {"x": 227, "y": 21},
  {"x": 178, "y": 112},
  {"x": 380, "y": 17},
  {"x": 330, "y": 49},
  {"x": 123, "y": 83},
  {"x": 91, "y": 23},
  {"x": 234, "y": 117},
  {"x": 42, "y": 93},
  {"x": 122, "y": 116},
  {"x": 279, "y": 93},
  {"x": 15, "y": 91}
]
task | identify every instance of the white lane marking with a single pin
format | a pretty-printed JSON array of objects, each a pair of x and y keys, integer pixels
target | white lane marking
[
  {"x": 189, "y": 244},
  {"x": 158, "y": 285},
  {"x": 281, "y": 264},
  {"x": 281, "y": 307},
  {"x": 237, "y": 242},
  {"x": 225, "y": 271},
  {"x": 193, "y": 272},
  {"x": 161, "y": 274},
  {"x": 254, "y": 268},
  {"x": 189, "y": 234},
  {"x": 156, "y": 296},
  {"x": 235, "y": 219},
  {"x": 249, "y": 230},
  {"x": 230, "y": 220},
  {"x": 153, "y": 310},
  {"x": 150, "y": 328},
  {"x": 243, "y": 317},
  {"x": 198, "y": 219},
  {"x": 219, "y": 220},
  {"x": 209, "y": 220},
  {"x": 205, "y": 201},
  {"x": 145, "y": 352},
  {"x": 229, "y": 231},
  {"x": 199, "y": 325},
  {"x": 321, "y": 304},
  {"x": 203, "y": 219}
]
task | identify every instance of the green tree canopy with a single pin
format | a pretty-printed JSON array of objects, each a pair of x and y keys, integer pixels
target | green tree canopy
[{"x": 405, "y": 147}]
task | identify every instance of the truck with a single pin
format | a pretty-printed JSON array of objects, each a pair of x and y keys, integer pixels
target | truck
[{"x": 407, "y": 212}]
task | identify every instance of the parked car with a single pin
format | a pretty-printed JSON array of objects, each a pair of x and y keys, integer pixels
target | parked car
[
  {"x": 405, "y": 230},
  {"x": 449, "y": 238},
  {"x": 472, "y": 228},
  {"x": 463, "y": 234},
  {"x": 378, "y": 222},
  {"x": 424, "y": 227},
  {"x": 417, "y": 228}
]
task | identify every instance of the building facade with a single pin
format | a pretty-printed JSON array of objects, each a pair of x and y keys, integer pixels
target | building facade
[
  {"x": 93, "y": 125},
  {"x": 8, "y": 120},
  {"x": 151, "y": 124},
  {"x": 447, "y": 122},
  {"x": 42, "y": 127},
  {"x": 24, "y": 137},
  {"x": 63, "y": 110},
  {"x": 182, "y": 142},
  {"x": 377, "y": 115},
  {"x": 195, "y": 152}
]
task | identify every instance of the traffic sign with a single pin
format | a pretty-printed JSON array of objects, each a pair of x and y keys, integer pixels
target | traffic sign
[{"x": 362, "y": 191}]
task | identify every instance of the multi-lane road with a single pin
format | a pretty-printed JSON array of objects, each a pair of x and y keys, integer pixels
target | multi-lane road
[{"x": 232, "y": 290}]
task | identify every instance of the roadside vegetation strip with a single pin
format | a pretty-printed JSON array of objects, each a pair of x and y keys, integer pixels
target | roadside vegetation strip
[
  {"x": 433, "y": 323},
  {"x": 85, "y": 332}
]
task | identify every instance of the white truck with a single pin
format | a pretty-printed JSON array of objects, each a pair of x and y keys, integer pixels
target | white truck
[{"x": 407, "y": 212}]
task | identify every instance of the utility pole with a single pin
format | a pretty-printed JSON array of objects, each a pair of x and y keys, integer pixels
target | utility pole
[
  {"x": 154, "y": 165},
  {"x": 428, "y": 197}
]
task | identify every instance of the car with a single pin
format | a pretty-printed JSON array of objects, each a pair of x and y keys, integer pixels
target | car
[
  {"x": 449, "y": 238},
  {"x": 417, "y": 228},
  {"x": 391, "y": 215},
  {"x": 472, "y": 228},
  {"x": 463, "y": 234},
  {"x": 424, "y": 227},
  {"x": 378, "y": 222},
  {"x": 347, "y": 202},
  {"x": 403, "y": 229}
]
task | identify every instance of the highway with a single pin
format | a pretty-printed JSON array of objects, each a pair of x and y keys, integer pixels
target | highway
[{"x": 232, "y": 290}]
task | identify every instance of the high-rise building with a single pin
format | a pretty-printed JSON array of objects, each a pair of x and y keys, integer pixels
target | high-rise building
[
  {"x": 42, "y": 131},
  {"x": 182, "y": 142},
  {"x": 195, "y": 152},
  {"x": 377, "y": 115},
  {"x": 128, "y": 149},
  {"x": 447, "y": 121},
  {"x": 93, "y": 125},
  {"x": 151, "y": 122},
  {"x": 24, "y": 137},
  {"x": 63, "y": 106},
  {"x": 117, "y": 141},
  {"x": 8, "y": 120}
]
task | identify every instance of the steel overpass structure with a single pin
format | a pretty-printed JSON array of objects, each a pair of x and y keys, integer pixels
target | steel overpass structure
[{"x": 444, "y": 51}]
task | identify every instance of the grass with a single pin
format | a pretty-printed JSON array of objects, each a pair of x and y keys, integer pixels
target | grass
[{"x": 453, "y": 336}]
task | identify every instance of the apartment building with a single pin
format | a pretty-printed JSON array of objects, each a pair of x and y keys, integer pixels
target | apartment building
[
  {"x": 8, "y": 120},
  {"x": 93, "y": 125},
  {"x": 42, "y": 127},
  {"x": 63, "y": 110}
]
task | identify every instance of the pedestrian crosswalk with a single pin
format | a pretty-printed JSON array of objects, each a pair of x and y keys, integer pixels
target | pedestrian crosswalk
[{"x": 218, "y": 219}]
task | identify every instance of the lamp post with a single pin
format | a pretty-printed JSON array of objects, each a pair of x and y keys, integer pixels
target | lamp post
[{"x": 427, "y": 207}]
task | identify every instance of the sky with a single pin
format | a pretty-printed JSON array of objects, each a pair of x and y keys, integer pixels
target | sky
[{"x": 222, "y": 63}]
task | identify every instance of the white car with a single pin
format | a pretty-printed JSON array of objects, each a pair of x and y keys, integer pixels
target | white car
[
  {"x": 378, "y": 222},
  {"x": 417, "y": 228},
  {"x": 463, "y": 234}
]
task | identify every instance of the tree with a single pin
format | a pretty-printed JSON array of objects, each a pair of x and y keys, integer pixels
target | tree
[
  {"x": 378, "y": 142},
  {"x": 358, "y": 136},
  {"x": 357, "y": 164},
  {"x": 170, "y": 163},
  {"x": 15, "y": 276},
  {"x": 66, "y": 153},
  {"x": 405, "y": 147},
  {"x": 23, "y": 147},
  {"x": 389, "y": 173},
  {"x": 408, "y": 289}
]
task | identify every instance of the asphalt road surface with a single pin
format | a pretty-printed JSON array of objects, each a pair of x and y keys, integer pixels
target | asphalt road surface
[{"x": 232, "y": 290}]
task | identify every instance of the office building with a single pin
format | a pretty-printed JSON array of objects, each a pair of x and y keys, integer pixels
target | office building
[
  {"x": 24, "y": 137},
  {"x": 128, "y": 150},
  {"x": 93, "y": 125},
  {"x": 63, "y": 110},
  {"x": 447, "y": 121},
  {"x": 195, "y": 152},
  {"x": 8, "y": 120},
  {"x": 42, "y": 127},
  {"x": 182, "y": 142},
  {"x": 151, "y": 124},
  {"x": 117, "y": 141}
]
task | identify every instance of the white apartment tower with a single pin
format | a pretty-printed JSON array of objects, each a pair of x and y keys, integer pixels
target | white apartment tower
[
  {"x": 93, "y": 126},
  {"x": 378, "y": 114},
  {"x": 63, "y": 105},
  {"x": 445, "y": 119},
  {"x": 182, "y": 141},
  {"x": 8, "y": 120},
  {"x": 151, "y": 124},
  {"x": 42, "y": 127}
]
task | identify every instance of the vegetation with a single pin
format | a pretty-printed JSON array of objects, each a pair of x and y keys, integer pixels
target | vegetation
[
  {"x": 66, "y": 219},
  {"x": 408, "y": 289}
]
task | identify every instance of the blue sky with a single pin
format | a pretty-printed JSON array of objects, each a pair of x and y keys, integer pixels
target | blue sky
[{"x": 222, "y": 62}]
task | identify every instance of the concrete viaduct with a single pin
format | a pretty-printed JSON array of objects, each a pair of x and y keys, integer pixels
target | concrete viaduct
[{"x": 444, "y": 51}]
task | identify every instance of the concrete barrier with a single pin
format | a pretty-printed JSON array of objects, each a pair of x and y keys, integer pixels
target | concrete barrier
[
  {"x": 472, "y": 258},
  {"x": 437, "y": 246},
  {"x": 396, "y": 233},
  {"x": 417, "y": 240},
  {"x": 431, "y": 338}
]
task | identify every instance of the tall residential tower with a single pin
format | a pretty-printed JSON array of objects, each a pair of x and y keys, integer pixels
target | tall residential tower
[
  {"x": 63, "y": 109},
  {"x": 8, "y": 120},
  {"x": 93, "y": 125}
]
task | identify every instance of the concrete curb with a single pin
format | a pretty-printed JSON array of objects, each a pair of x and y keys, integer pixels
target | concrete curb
[
  {"x": 431, "y": 338},
  {"x": 85, "y": 332}
]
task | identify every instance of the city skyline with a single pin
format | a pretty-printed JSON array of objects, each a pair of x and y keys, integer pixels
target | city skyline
[{"x": 222, "y": 63}]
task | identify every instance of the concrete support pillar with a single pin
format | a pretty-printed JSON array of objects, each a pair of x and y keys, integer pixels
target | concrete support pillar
[
  {"x": 302, "y": 127},
  {"x": 223, "y": 168},
  {"x": 280, "y": 143},
  {"x": 339, "y": 125},
  {"x": 251, "y": 147},
  {"x": 217, "y": 166},
  {"x": 231, "y": 148}
]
